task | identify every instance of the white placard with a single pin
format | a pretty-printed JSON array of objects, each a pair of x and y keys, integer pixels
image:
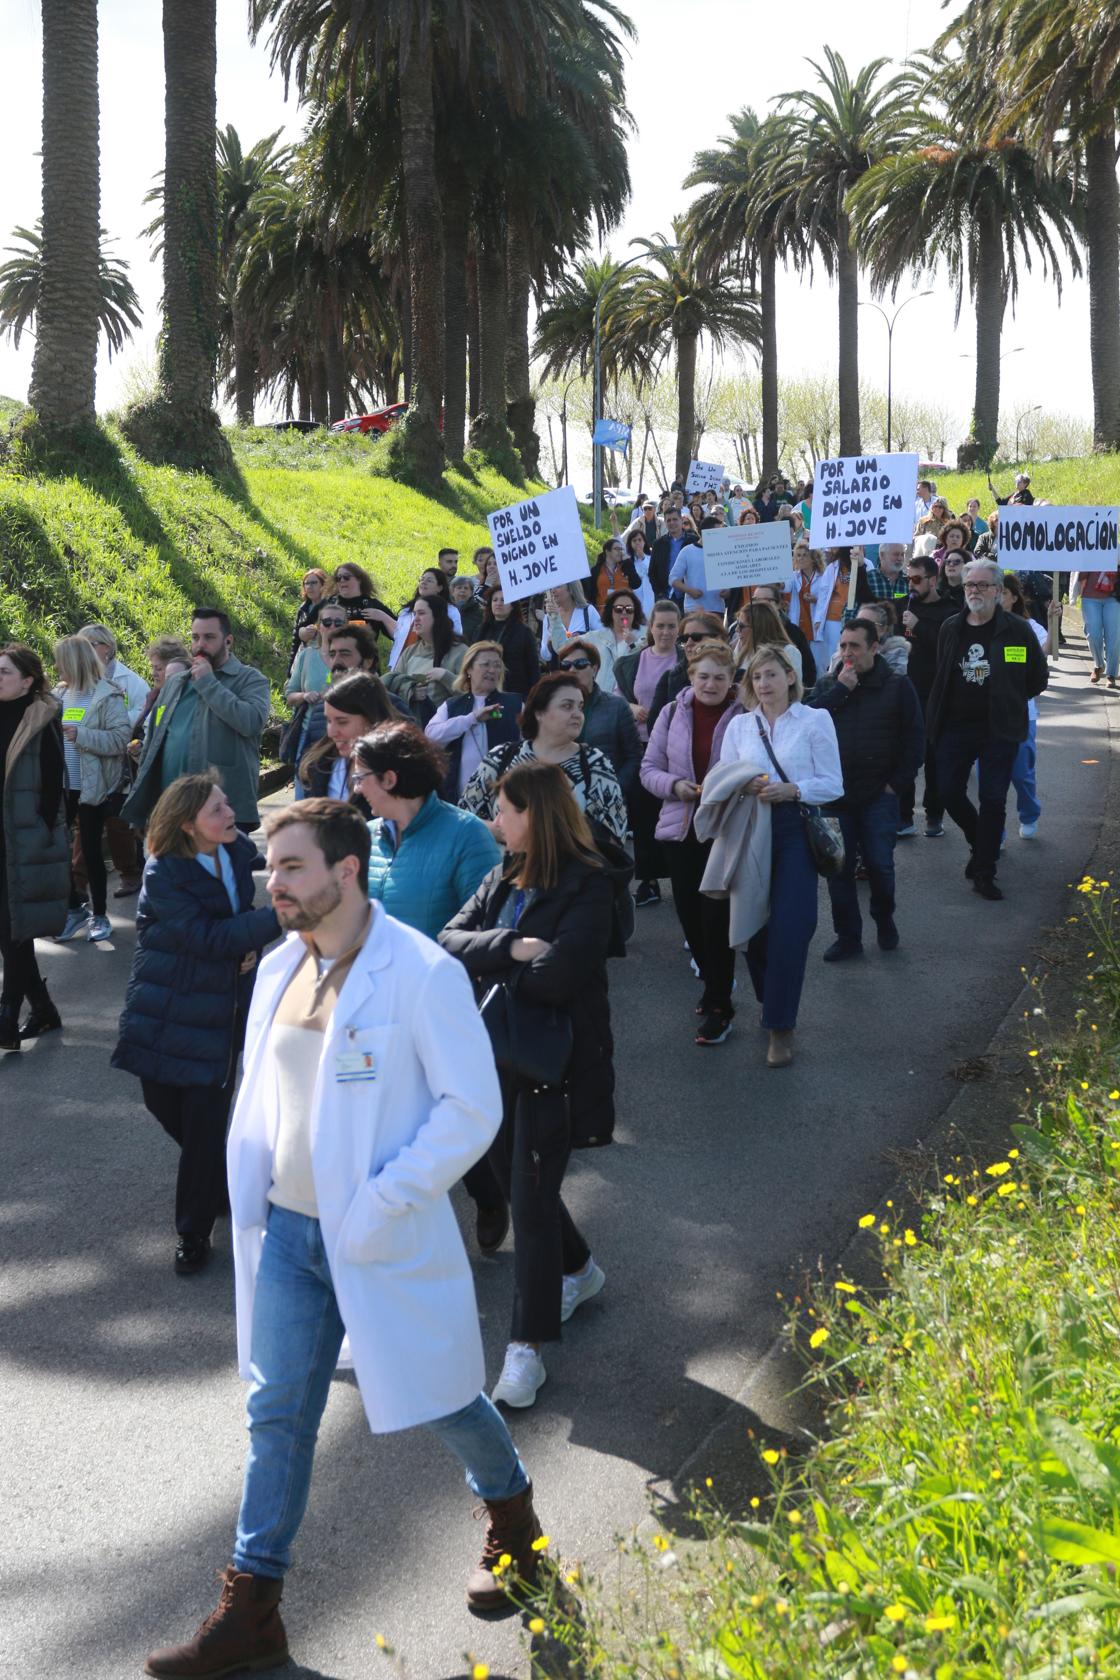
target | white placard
[
  {"x": 538, "y": 542},
  {"x": 740, "y": 556},
  {"x": 1058, "y": 539},
  {"x": 864, "y": 499},
  {"x": 703, "y": 475}
]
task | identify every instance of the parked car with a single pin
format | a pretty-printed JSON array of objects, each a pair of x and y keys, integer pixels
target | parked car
[
  {"x": 379, "y": 420},
  {"x": 614, "y": 495},
  {"x": 291, "y": 425}
]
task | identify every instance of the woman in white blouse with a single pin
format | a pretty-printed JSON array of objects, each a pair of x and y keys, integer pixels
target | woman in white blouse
[
  {"x": 804, "y": 743},
  {"x": 478, "y": 717},
  {"x": 567, "y": 617}
]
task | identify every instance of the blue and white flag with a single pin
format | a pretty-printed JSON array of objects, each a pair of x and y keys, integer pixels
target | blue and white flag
[{"x": 612, "y": 434}]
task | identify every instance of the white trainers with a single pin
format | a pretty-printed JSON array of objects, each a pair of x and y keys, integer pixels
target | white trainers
[
  {"x": 76, "y": 922},
  {"x": 522, "y": 1375},
  {"x": 100, "y": 927},
  {"x": 1028, "y": 831},
  {"x": 580, "y": 1287}
]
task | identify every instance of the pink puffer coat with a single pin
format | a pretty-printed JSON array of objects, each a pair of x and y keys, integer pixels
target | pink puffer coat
[{"x": 668, "y": 760}]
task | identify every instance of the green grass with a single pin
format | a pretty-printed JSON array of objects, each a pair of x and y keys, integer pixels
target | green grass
[
  {"x": 105, "y": 536},
  {"x": 1090, "y": 480},
  {"x": 961, "y": 1521}
]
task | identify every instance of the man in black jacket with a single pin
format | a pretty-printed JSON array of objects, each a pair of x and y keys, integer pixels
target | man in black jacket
[
  {"x": 879, "y": 730},
  {"x": 989, "y": 664},
  {"x": 925, "y": 612},
  {"x": 665, "y": 551}
]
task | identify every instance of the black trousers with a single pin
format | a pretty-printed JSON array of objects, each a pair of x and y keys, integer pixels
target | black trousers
[
  {"x": 91, "y": 826},
  {"x": 649, "y": 854},
  {"x": 21, "y": 971},
  {"x": 704, "y": 921},
  {"x": 960, "y": 747},
  {"x": 932, "y": 802},
  {"x": 529, "y": 1157},
  {"x": 481, "y": 1184},
  {"x": 195, "y": 1116}
]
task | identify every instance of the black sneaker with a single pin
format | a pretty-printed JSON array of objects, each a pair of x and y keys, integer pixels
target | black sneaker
[
  {"x": 648, "y": 893},
  {"x": 191, "y": 1254},
  {"x": 970, "y": 867},
  {"x": 714, "y": 1028},
  {"x": 935, "y": 831},
  {"x": 986, "y": 887},
  {"x": 841, "y": 949},
  {"x": 887, "y": 934}
]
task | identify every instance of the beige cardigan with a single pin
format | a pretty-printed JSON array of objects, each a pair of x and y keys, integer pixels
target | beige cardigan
[{"x": 738, "y": 826}]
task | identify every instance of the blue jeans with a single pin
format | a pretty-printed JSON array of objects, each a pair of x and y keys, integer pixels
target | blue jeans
[
  {"x": 869, "y": 833},
  {"x": 959, "y": 747},
  {"x": 297, "y": 1334},
  {"x": 777, "y": 965},
  {"x": 1102, "y": 627},
  {"x": 1023, "y": 776}
]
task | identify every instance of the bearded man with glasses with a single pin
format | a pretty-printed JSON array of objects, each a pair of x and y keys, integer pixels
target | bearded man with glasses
[{"x": 989, "y": 665}]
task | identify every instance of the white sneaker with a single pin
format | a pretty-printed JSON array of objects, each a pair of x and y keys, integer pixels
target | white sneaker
[
  {"x": 76, "y": 922},
  {"x": 1028, "y": 831},
  {"x": 100, "y": 927},
  {"x": 580, "y": 1287},
  {"x": 522, "y": 1375}
]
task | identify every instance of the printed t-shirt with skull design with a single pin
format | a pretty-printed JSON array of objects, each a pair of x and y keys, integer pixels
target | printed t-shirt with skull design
[{"x": 969, "y": 690}]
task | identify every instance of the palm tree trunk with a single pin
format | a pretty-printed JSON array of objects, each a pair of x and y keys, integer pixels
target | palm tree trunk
[
  {"x": 1102, "y": 238},
  {"x": 687, "y": 345},
  {"x": 64, "y": 370},
  {"x": 420, "y": 435},
  {"x": 488, "y": 430},
  {"x": 320, "y": 406},
  {"x": 474, "y": 359},
  {"x": 768, "y": 265},
  {"x": 244, "y": 370},
  {"x": 521, "y": 410},
  {"x": 334, "y": 361},
  {"x": 456, "y": 233},
  {"x": 847, "y": 275},
  {"x": 990, "y": 294},
  {"x": 189, "y": 345},
  {"x": 303, "y": 398}
]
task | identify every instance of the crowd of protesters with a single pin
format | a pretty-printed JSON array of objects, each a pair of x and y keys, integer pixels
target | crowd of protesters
[{"x": 486, "y": 791}]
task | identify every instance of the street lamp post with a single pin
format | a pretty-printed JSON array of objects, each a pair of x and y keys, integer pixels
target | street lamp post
[
  {"x": 890, "y": 320},
  {"x": 1019, "y": 422}
]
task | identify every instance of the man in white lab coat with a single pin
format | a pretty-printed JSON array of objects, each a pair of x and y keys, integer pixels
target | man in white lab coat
[{"x": 369, "y": 1088}]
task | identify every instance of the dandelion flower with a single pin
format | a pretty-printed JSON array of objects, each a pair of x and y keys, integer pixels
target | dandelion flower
[
  {"x": 1012, "y": 1154},
  {"x": 795, "y": 1517},
  {"x": 540, "y": 1544},
  {"x": 818, "y": 1337},
  {"x": 938, "y": 1624},
  {"x": 899, "y": 1664},
  {"x": 909, "y": 1238},
  {"x": 755, "y": 1502},
  {"x": 480, "y": 1672},
  {"x": 1080, "y": 1208},
  {"x": 536, "y": 1625},
  {"x": 844, "y": 1288},
  {"x": 998, "y": 1168},
  {"x": 660, "y": 1544},
  {"x": 770, "y": 1456},
  {"x": 1007, "y": 1189},
  {"x": 971, "y": 1200},
  {"x": 869, "y": 1218},
  {"x": 895, "y": 1612}
]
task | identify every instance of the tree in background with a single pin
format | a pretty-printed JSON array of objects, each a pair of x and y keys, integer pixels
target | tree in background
[
  {"x": 21, "y": 284},
  {"x": 64, "y": 371},
  {"x": 828, "y": 140},
  {"x": 242, "y": 177}
]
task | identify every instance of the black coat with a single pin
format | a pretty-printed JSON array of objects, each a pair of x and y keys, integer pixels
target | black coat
[
  {"x": 1015, "y": 677},
  {"x": 519, "y": 652},
  {"x": 574, "y": 918},
  {"x": 659, "y": 563},
  {"x": 186, "y": 992},
  {"x": 608, "y": 723},
  {"x": 879, "y": 731},
  {"x": 931, "y": 615}
]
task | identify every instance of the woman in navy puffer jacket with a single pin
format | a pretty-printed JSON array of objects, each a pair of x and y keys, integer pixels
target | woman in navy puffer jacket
[{"x": 197, "y": 942}]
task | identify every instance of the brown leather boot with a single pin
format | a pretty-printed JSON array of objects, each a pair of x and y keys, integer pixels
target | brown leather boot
[
  {"x": 244, "y": 1632},
  {"x": 780, "y": 1053},
  {"x": 511, "y": 1528}
]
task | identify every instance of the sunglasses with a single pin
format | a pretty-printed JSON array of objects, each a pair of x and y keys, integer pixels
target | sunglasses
[
  {"x": 332, "y": 623},
  {"x": 575, "y": 664},
  {"x": 696, "y": 636},
  {"x": 345, "y": 577},
  {"x": 621, "y": 607}
]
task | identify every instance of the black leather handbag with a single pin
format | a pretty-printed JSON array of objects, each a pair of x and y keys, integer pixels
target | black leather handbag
[
  {"x": 826, "y": 842},
  {"x": 531, "y": 1041}
]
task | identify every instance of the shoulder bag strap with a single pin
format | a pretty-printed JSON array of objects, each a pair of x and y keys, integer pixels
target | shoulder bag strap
[{"x": 765, "y": 739}]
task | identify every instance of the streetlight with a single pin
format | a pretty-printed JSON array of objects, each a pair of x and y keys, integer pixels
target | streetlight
[
  {"x": 597, "y": 448},
  {"x": 1019, "y": 422},
  {"x": 890, "y": 320},
  {"x": 564, "y": 429}
]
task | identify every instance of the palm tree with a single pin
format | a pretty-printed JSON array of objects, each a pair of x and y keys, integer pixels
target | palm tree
[
  {"x": 241, "y": 177},
  {"x": 740, "y": 223},
  {"x": 828, "y": 140},
  {"x": 189, "y": 342},
  {"x": 1056, "y": 64},
  {"x": 979, "y": 205},
  {"x": 21, "y": 285},
  {"x": 670, "y": 305},
  {"x": 64, "y": 370},
  {"x": 565, "y": 337}
]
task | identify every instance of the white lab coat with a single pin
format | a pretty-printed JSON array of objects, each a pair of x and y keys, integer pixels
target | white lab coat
[{"x": 385, "y": 1152}]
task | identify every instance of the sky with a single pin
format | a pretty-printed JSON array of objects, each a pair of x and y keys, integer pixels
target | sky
[{"x": 681, "y": 84}]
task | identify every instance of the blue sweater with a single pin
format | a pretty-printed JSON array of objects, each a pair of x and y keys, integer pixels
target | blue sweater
[
  {"x": 428, "y": 876},
  {"x": 179, "y": 1023}
]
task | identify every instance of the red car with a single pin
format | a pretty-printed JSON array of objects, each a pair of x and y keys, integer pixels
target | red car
[{"x": 379, "y": 421}]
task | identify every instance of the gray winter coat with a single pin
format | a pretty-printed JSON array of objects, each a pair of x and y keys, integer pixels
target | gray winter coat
[
  {"x": 36, "y": 855},
  {"x": 233, "y": 708},
  {"x": 102, "y": 736}
]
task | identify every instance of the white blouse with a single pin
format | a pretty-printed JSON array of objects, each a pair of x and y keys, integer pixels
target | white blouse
[{"x": 804, "y": 743}]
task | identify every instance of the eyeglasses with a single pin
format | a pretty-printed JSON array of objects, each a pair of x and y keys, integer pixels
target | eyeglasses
[
  {"x": 359, "y": 777},
  {"x": 575, "y": 664},
  {"x": 696, "y": 635},
  {"x": 975, "y": 586}
]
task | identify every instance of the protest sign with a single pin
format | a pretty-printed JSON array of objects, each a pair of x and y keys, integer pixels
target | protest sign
[
  {"x": 538, "y": 543},
  {"x": 1058, "y": 539},
  {"x": 703, "y": 475},
  {"x": 864, "y": 499},
  {"x": 743, "y": 555}
]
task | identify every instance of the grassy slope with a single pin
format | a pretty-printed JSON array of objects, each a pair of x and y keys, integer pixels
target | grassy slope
[
  {"x": 136, "y": 545},
  {"x": 1092, "y": 480}
]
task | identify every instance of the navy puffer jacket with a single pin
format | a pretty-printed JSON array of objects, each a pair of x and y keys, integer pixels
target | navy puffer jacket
[{"x": 185, "y": 990}]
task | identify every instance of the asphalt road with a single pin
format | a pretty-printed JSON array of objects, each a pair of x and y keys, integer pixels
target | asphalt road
[{"x": 121, "y": 1414}]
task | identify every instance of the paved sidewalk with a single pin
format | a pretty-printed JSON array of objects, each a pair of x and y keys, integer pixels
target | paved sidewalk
[{"x": 123, "y": 1439}]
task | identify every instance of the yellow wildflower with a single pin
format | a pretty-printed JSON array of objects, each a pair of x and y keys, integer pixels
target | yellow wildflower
[
  {"x": 899, "y": 1664},
  {"x": 869, "y": 1218},
  {"x": 540, "y": 1544},
  {"x": 770, "y": 1456},
  {"x": 818, "y": 1337},
  {"x": 938, "y": 1624},
  {"x": 998, "y": 1168},
  {"x": 971, "y": 1200},
  {"x": 895, "y": 1612},
  {"x": 480, "y": 1672},
  {"x": 845, "y": 1288},
  {"x": 536, "y": 1625},
  {"x": 909, "y": 1238}
]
